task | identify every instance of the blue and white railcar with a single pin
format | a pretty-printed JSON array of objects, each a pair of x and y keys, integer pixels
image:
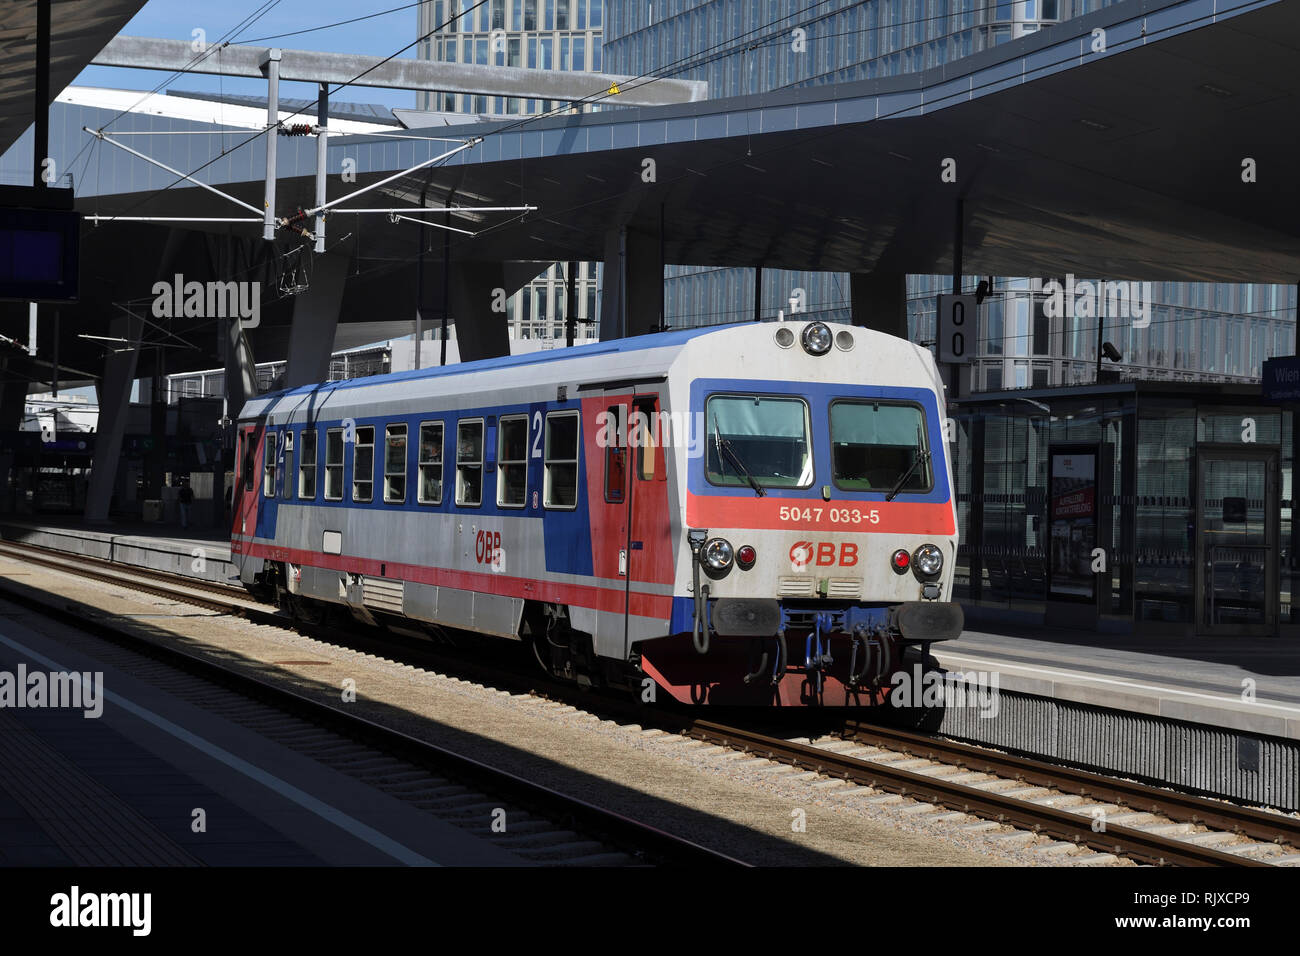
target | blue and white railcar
[{"x": 756, "y": 513}]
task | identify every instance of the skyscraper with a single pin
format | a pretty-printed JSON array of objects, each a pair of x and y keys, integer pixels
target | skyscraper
[{"x": 534, "y": 34}]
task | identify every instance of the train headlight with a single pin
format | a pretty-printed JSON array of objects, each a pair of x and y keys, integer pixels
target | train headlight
[
  {"x": 717, "y": 554},
  {"x": 784, "y": 337},
  {"x": 817, "y": 338},
  {"x": 928, "y": 560}
]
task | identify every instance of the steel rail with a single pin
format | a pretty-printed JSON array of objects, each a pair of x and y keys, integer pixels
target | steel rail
[
  {"x": 1181, "y": 807},
  {"x": 1060, "y": 824}
]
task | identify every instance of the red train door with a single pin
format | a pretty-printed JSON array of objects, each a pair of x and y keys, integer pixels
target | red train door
[
  {"x": 647, "y": 545},
  {"x": 244, "y": 495}
]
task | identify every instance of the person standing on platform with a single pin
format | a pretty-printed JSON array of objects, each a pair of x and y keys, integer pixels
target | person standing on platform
[{"x": 185, "y": 498}]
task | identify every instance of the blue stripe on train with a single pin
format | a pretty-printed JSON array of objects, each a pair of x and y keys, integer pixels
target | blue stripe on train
[{"x": 567, "y": 534}]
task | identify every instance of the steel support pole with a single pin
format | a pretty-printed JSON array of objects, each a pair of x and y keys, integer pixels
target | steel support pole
[
  {"x": 322, "y": 143},
  {"x": 41, "y": 111},
  {"x": 570, "y": 303},
  {"x": 954, "y": 370},
  {"x": 446, "y": 278},
  {"x": 419, "y": 284},
  {"x": 272, "y": 66},
  {"x": 41, "y": 148}
]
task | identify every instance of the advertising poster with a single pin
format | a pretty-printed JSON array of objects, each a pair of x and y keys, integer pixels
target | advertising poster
[{"x": 1072, "y": 511}]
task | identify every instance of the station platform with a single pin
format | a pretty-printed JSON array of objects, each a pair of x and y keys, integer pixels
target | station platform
[
  {"x": 130, "y": 775},
  {"x": 202, "y": 553},
  {"x": 1221, "y": 716}
]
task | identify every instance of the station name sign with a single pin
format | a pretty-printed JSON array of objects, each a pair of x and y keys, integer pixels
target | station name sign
[{"x": 1281, "y": 379}]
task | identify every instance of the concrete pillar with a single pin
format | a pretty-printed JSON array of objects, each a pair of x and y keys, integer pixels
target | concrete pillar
[
  {"x": 13, "y": 407},
  {"x": 315, "y": 320},
  {"x": 633, "y": 282},
  {"x": 241, "y": 372},
  {"x": 114, "y": 393},
  {"x": 482, "y": 332},
  {"x": 879, "y": 301},
  {"x": 13, "y": 400}
]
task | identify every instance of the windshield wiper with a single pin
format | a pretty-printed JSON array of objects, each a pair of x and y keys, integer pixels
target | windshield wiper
[
  {"x": 916, "y": 462},
  {"x": 724, "y": 448}
]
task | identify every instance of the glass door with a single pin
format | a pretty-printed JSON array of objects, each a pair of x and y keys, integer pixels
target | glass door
[{"x": 1237, "y": 539}]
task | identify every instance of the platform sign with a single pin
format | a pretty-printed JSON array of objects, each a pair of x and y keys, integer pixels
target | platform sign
[
  {"x": 956, "y": 328},
  {"x": 1072, "y": 517},
  {"x": 1280, "y": 380}
]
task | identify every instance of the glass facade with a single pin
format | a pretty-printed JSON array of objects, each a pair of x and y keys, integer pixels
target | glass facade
[
  {"x": 533, "y": 34},
  {"x": 1195, "y": 331},
  {"x": 1189, "y": 503}
]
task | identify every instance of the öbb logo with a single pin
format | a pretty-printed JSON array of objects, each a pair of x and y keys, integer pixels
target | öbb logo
[{"x": 822, "y": 554}]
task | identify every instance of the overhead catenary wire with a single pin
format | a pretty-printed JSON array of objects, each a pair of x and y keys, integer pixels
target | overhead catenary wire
[{"x": 691, "y": 61}]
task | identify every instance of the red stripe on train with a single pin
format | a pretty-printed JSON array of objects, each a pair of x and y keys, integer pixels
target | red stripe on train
[{"x": 594, "y": 596}]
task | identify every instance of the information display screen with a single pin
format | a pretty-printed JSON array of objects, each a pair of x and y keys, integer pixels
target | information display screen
[{"x": 39, "y": 254}]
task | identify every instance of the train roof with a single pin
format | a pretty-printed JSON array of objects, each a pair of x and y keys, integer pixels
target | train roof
[
  {"x": 655, "y": 340},
  {"x": 641, "y": 355}
]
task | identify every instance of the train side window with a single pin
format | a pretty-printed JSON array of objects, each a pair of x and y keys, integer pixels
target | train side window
[
  {"x": 334, "y": 464},
  {"x": 512, "y": 461},
  {"x": 286, "y": 479},
  {"x": 268, "y": 466},
  {"x": 250, "y": 460},
  {"x": 363, "y": 464},
  {"x": 647, "y": 419},
  {"x": 616, "y": 455},
  {"x": 430, "y": 491},
  {"x": 561, "y": 460},
  {"x": 307, "y": 464},
  {"x": 395, "y": 464},
  {"x": 469, "y": 463}
]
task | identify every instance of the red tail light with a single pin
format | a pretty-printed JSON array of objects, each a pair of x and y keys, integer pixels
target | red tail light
[
  {"x": 746, "y": 556},
  {"x": 901, "y": 561}
]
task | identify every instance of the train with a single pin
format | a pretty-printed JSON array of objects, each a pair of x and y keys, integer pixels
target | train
[{"x": 751, "y": 514}]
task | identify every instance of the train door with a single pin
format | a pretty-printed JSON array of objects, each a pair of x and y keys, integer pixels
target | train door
[
  {"x": 646, "y": 555},
  {"x": 244, "y": 495}
]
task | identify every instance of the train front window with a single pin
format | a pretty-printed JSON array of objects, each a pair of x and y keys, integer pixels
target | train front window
[
  {"x": 874, "y": 443},
  {"x": 764, "y": 436}
]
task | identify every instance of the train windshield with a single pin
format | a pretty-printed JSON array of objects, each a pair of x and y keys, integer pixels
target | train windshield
[
  {"x": 873, "y": 444},
  {"x": 767, "y": 434}
]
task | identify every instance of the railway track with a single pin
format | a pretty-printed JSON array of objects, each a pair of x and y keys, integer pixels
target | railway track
[
  {"x": 546, "y": 826},
  {"x": 1106, "y": 815},
  {"x": 1137, "y": 822}
]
